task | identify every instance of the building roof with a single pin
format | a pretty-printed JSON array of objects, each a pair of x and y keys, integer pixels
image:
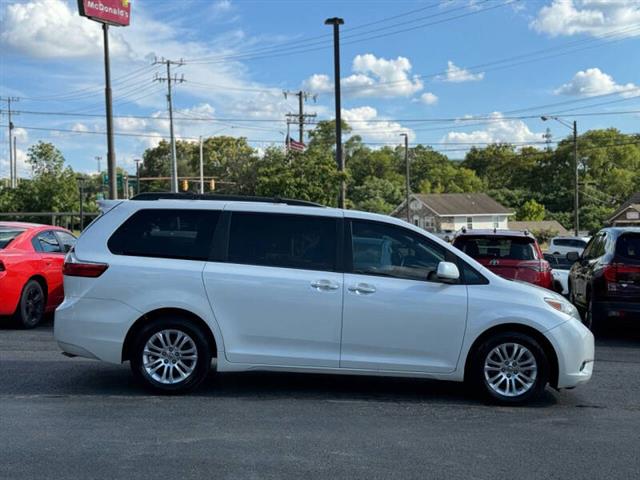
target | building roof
[
  {"x": 634, "y": 199},
  {"x": 543, "y": 225},
  {"x": 447, "y": 204}
]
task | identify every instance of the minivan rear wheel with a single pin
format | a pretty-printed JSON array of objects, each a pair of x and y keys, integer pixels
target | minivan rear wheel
[
  {"x": 170, "y": 355},
  {"x": 510, "y": 368}
]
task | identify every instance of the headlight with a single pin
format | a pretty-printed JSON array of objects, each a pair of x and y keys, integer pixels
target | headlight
[{"x": 563, "y": 306}]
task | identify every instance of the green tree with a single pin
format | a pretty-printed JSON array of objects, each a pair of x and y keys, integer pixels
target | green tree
[{"x": 531, "y": 211}]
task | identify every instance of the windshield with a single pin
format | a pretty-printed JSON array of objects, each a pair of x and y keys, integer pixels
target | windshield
[
  {"x": 629, "y": 246},
  {"x": 7, "y": 235},
  {"x": 507, "y": 248}
]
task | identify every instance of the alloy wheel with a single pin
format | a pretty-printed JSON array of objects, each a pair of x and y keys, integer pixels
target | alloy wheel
[
  {"x": 169, "y": 356},
  {"x": 510, "y": 369}
]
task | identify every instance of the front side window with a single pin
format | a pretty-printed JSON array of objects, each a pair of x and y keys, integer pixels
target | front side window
[
  {"x": 48, "y": 242},
  {"x": 388, "y": 250},
  {"x": 179, "y": 234},
  {"x": 287, "y": 241}
]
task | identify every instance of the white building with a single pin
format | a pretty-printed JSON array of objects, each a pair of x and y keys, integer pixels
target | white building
[{"x": 441, "y": 212}]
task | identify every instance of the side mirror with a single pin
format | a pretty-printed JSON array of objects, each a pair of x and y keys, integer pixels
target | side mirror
[
  {"x": 448, "y": 272},
  {"x": 573, "y": 257}
]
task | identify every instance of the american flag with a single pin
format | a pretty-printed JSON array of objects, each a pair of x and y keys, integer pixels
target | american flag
[{"x": 295, "y": 146}]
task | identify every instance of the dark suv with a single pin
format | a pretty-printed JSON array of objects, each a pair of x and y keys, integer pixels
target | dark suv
[{"x": 605, "y": 280}]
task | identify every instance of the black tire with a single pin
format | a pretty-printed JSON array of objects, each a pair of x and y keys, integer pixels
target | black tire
[
  {"x": 481, "y": 384},
  {"x": 591, "y": 318},
  {"x": 200, "y": 366},
  {"x": 32, "y": 305}
]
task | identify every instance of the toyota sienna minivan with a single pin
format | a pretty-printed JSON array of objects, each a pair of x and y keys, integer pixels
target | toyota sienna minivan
[{"x": 169, "y": 282}]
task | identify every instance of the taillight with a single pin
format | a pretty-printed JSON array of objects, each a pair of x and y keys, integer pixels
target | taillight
[
  {"x": 621, "y": 274},
  {"x": 80, "y": 269}
]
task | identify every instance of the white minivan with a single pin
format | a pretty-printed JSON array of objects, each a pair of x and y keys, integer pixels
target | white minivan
[{"x": 169, "y": 281}]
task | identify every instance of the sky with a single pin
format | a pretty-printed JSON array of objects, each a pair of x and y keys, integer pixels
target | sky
[{"x": 449, "y": 73}]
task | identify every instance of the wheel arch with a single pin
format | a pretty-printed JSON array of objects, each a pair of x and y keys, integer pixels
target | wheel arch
[
  {"x": 546, "y": 345},
  {"x": 43, "y": 283},
  {"x": 152, "y": 315}
]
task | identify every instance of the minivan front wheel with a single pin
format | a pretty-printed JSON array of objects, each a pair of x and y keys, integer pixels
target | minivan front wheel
[
  {"x": 170, "y": 355},
  {"x": 510, "y": 368}
]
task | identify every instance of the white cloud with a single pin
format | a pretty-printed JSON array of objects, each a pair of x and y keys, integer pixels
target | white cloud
[
  {"x": 457, "y": 74},
  {"x": 79, "y": 127},
  {"x": 429, "y": 98},
  {"x": 23, "y": 168},
  {"x": 498, "y": 130},
  {"x": 21, "y": 135},
  {"x": 593, "y": 81},
  {"x": 591, "y": 17},
  {"x": 365, "y": 122},
  {"x": 51, "y": 29},
  {"x": 372, "y": 77}
]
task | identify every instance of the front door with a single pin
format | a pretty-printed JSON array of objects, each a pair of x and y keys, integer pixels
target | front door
[
  {"x": 397, "y": 315},
  {"x": 278, "y": 294}
]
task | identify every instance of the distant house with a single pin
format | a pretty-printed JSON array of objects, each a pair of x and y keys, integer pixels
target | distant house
[
  {"x": 439, "y": 212},
  {"x": 628, "y": 215},
  {"x": 553, "y": 227}
]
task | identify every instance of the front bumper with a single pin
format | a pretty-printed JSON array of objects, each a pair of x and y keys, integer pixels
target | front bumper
[
  {"x": 575, "y": 349},
  {"x": 93, "y": 328}
]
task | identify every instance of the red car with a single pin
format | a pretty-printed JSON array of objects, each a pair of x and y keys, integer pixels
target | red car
[
  {"x": 31, "y": 258},
  {"x": 510, "y": 254}
]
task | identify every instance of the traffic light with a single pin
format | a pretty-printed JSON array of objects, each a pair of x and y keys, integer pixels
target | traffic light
[
  {"x": 185, "y": 185},
  {"x": 212, "y": 184}
]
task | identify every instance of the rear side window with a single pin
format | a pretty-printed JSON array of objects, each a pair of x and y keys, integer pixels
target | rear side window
[
  {"x": 66, "y": 240},
  {"x": 508, "y": 248},
  {"x": 47, "y": 242},
  {"x": 7, "y": 235},
  {"x": 288, "y": 241},
  {"x": 628, "y": 246},
  {"x": 562, "y": 242},
  {"x": 180, "y": 234}
]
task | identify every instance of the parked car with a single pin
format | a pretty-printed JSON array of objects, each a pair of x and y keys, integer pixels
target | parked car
[
  {"x": 511, "y": 254},
  {"x": 560, "y": 267},
  {"x": 31, "y": 258},
  {"x": 167, "y": 284},
  {"x": 446, "y": 235},
  {"x": 564, "y": 245},
  {"x": 604, "y": 282}
]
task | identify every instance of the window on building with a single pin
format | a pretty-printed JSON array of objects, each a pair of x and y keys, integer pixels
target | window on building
[
  {"x": 416, "y": 221},
  {"x": 469, "y": 223},
  {"x": 496, "y": 222}
]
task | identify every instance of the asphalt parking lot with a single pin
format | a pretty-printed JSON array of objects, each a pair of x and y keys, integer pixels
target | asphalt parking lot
[{"x": 74, "y": 418}]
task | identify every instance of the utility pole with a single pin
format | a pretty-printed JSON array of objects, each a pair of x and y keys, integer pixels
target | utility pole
[
  {"x": 406, "y": 163},
  {"x": 336, "y": 22},
  {"x": 137, "y": 160},
  {"x": 15, "y": 161},
  {"x": 576, "y": 200},
  {"x": 12, "y": 160},
  {"x": 576, "y": 193},
  {"x": 300, "y": 116},
  {"x": 170, "y": 81},
  {"x": 111, "y": 154},
  {"x": 201, "y": 167}
]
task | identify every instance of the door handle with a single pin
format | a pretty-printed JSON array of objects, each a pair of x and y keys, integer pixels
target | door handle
[
  {"x": 362, "y": 289},
  {"x": 325, "y": 285}
]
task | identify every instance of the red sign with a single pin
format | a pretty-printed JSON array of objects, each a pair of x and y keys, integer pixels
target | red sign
[{"x": 113, "y": 12}]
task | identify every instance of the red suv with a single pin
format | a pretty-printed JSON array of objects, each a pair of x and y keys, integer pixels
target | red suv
[{"x": 510, "y": 254}]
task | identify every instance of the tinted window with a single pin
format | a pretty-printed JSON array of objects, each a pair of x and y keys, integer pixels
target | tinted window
[
  {"x": 289, "y": 241},
  {"x": 382, "y": 249},
  {"x": 66, "y": 240},
  {"x": 48, "y": 242},
  {"x": 181, "y": 234},
  {"x": 558, "y": 262},
  {"x": 508, "y": 248},
  {"x": 562, "y": 242},
  {"x": 7, "y": 235},
  {"x": 628, "y": 246},
  {"x": 578, "y": 243}
]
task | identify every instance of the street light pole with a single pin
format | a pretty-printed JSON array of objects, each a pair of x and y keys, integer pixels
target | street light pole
[
  {"x": 336, "y": 22},
  {"x": 406, "y": 163},
  {"x": 576, "y": 192}
]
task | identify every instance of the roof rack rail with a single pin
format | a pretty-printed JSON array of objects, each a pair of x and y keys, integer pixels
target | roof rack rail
[{"x": 228, "y": 198}]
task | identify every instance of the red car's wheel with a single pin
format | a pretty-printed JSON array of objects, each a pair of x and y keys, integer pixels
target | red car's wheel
[{"x": 32, "y": 304}]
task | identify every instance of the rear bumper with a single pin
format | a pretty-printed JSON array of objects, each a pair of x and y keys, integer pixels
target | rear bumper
[
  {"x": 618, "y": 309},
  {"x": 93, "y": 328},
  {"x": 9, "y": 294},
  {"x": 575, "y": 349}
]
